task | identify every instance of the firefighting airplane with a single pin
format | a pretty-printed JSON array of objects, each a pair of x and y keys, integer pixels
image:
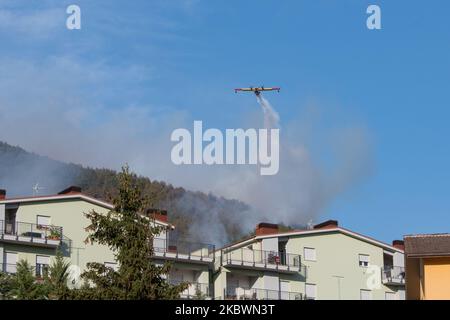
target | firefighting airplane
[{"x": 257, "y": 90}]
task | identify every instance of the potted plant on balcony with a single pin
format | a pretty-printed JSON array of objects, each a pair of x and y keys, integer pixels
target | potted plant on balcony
[{"x": 55, "y": 234}]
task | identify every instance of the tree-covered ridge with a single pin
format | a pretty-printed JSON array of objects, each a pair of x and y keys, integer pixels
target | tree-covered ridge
[{"x": 20, "y": 170}]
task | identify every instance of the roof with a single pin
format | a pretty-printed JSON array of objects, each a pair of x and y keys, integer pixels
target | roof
[
  {"x": 427, "y": 245},
  {"x": 69, "y": 196},
  {"x": 315, "y": 231}
]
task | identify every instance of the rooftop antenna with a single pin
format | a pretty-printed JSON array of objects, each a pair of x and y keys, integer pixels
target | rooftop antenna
[
  {"x": 310, "y": 225},
  {"x": 36, "y": 189}
]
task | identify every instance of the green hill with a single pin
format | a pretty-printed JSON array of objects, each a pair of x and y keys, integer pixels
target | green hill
[{"x": 197, "y": 216}]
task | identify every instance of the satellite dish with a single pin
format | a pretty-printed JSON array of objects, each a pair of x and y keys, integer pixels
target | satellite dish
[{"x": 74, "y": 278}]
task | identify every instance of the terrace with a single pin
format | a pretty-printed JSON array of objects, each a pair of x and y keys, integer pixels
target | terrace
[
  {"x": 393, "y": 275},
  {"x": 195, "y": 290},
  {"x": 238, "y": 293},
  {"x": 264, "y": 260},
  {"x": 29, "y": 233},
  {"x": 183, "y": 250}
]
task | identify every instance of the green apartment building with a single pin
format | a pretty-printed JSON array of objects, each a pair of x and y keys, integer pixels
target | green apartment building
[
  {"x": 34, "y": 228},
  {"x": 324, "y": 262}
]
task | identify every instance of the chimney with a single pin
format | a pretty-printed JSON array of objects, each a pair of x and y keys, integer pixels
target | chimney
[
  {"x": 265, "y": 228},
  {"x": 399, "y": 244},
  {"x": 329, "y": 224},
  {"x": 71, "y": 190},
  {"x": 157, "y": 214},
  {"x": 2, "y": 194}
]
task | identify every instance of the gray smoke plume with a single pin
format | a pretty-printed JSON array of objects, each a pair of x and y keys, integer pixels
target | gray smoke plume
[{"x": 303, "y": 189}]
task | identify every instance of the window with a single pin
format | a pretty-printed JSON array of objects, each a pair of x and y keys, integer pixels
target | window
[
  {"x": 285, "y": 288},
  {"x": 43, "y": 221},
  {"x": 309, "y": 254},
  {"x": 364, "y": 260},
  {"x": 11, "y": 262},
  {"x": 365, "y": 294},
  {"x": 111, "y": 265},
  {"x": 42, "y": 263},
  {"x": 390, "y": 296},
  {"x": 310, "y": 291}
]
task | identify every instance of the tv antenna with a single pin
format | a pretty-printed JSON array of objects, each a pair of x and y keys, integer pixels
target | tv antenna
[{"x": 37, "y": 188}]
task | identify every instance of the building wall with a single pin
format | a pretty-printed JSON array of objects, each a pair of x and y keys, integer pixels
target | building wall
[
  {"x": 336, "y": 271},
  {"x": 412, "y": 279},
  {"x": 436, "y": 278},
  {"x": 70, "y": 215}
]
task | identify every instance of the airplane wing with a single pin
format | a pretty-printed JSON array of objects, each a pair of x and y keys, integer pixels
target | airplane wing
[{"x": 257, "y": 89}]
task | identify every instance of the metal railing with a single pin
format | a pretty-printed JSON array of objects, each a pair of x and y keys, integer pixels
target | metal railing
[
  {"x": 195, "y": 290},
  {"x": 238, "y": 293},
  {"x": 262, "y": 257},
  {"x": 22, "y": 231},
  {"x": 393, "y": 274},
  {"x": 183, "y": 249}
]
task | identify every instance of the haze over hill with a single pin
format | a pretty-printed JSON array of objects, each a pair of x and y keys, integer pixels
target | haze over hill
[{"x": 191, "y": 212}]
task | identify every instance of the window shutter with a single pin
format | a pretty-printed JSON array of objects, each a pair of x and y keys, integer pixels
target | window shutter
[
  {"x": 366, "y": 295},
  {"x": 43, "y": 220},
  {"x": 42, "y": 260},
  {"x": 310, "y": 254},
  {"x": 310, "y": 291}
]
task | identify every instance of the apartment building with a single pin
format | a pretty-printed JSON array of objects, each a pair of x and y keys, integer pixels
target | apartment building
[
  {"x": 325, "y": 262},
  {"x": 427, "y": 266},
  {"x": 34, "y": 228}
]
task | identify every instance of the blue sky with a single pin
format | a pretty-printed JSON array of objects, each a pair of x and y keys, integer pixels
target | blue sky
[{"x": 184, "y": 57}]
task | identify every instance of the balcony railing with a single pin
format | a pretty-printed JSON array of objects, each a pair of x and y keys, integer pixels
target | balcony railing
[
  {"x": 264, "y": 259},
  {"x": 238, "y": 293},
  {"x": 393, "y": 275},
  {"x": 184, "y": 250},
  {"x": 195, "y": 290},
  {"x": 30, "y": 233}
]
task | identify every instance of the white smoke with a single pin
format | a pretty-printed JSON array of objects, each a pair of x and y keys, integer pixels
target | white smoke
[{"x": 303, "y": 189}]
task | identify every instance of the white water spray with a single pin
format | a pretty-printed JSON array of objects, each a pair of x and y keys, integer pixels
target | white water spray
[{"x": 271, "y": 117}]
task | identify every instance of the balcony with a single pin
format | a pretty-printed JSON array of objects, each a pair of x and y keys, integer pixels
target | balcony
[
  {"x": 238, "y": 293},
  {"x": 264, "y": 260},
  {"x": 394, "y": 276},
  {"x": 29, "y": 233},
  {"x": 195, "y": 290},
  {"x": 182, "y": 250}
]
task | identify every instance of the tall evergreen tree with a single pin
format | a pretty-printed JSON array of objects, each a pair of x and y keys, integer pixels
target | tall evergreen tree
[
  {"x": 55, "y": 280},
  {"x": 129, "y": 233},
  {"x": 24, "y": 285},
  {"x": 5, "y": 285}
]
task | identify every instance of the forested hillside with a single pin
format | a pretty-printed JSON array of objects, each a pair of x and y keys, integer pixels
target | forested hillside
[{"x": 21, "y": 170}]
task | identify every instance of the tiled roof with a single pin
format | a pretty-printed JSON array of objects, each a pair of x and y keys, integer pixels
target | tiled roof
[{"x": 427, "y": 245}]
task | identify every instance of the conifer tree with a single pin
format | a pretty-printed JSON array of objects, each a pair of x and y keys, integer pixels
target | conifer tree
[
  {"x": 55, "y": 280},
  {"x": 24, "y": 285},
  {"x": 129, "y": 233}
]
